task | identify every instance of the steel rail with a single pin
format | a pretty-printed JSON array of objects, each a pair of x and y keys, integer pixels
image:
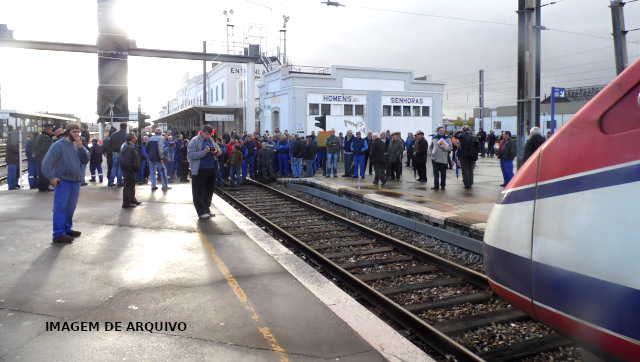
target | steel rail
[{"x": 425, "y": 332}]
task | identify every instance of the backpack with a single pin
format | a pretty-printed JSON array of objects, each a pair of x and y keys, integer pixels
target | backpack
[{"x": 474, "y": 149}]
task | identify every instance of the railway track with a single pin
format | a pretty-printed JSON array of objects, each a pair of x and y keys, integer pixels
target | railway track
[{"x": 413, "y": 287}]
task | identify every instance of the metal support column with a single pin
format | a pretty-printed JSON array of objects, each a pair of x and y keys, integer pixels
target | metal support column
[
  {"x": 481, "y": 121},
  {"x": 529, "y": 26},
  {"x": 250, "y": 108},
  {"x": 619, "y": 35}
]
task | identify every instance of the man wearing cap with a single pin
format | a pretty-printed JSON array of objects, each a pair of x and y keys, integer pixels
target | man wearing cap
[
  {"x": 420, "y": 150},
  {"x": 40, "y": 148},
  {"x": 62, "y": 167},
  {"x": 358, "y": 146}
]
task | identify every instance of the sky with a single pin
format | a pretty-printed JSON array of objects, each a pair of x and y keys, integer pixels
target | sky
[{"x": 449, "y": 40}]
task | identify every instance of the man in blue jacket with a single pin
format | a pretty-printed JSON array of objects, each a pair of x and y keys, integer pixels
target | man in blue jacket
[
  {"x": 282, "y": 148},
  {"x": 62, "y": 166},
  {"x": 358, "y": 146}
]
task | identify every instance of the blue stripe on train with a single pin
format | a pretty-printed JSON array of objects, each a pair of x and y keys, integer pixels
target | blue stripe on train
[
  {"x": 611, "y": 306},
  {"x": 593, "y": 181}
]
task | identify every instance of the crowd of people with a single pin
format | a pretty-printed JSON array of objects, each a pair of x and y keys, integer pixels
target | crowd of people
[{"x": 207, "y": 158}]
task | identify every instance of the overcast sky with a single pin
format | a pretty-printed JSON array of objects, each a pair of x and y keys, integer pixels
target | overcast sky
[{"x": 418, "y": 35}]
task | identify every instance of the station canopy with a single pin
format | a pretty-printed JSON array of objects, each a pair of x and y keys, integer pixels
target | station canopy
[{"x": 192, "y": 117}]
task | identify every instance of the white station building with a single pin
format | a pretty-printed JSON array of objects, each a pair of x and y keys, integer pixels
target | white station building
[
  {"x": 352, "y": 98},
  {"x": 290, "y": 98}
]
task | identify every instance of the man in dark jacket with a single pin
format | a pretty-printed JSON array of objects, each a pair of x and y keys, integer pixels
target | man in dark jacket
[
  {"x": 297, "y": 155},
  {"x": 482, "y": 138},
  {"x": 333, "y": 150},
  {"x": 491, "y": 142},
  {"x": 184, "y": 170},
  {"x": 309, "y": 155},
  {"x": 359, "y": 146},
  {"x": 420, "y": 149},
  {"x": 129, "y": 164},
  {"x": 465, "y": 155},
  {"x": 115, "y": 144},
  {"x": 40, "y": 148},
  {"x": 377, "y": 158},
  {"x": 533, "y": 143},
  {"x": 265, "y": 161},
  {"x": 507, "y": 153},
  {"x": 12, "y": 159},
  {"x": 32, "y": 162},
  {"x": 95, "y": 160}
]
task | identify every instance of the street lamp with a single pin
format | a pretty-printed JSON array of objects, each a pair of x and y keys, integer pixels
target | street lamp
[{"x": 285, "y": 19}]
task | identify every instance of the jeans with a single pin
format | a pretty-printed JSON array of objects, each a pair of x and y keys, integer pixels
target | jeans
[
  {"x": 507, "y": 170},
  {"x": 12, "y": 176},
  {"x": 152, "y": 174},
  {"x": 491, "y": 150},
  {"x": 283, "y": 164},
  {"x": 84, "y": 172},
  {"x": 92, "y": 168},
  {"x": 32, "y": 166},
  {"x": 483, "y": 149},
  {"x": 115, "y": 169},
  {"x": 348, "y": 160},
  {"x": 234, "y": 174},
  {"x": 65, "y": 200},
  {"x": 139, "y": 175},
  {"x": 332, "y": 163},
  {"x": 358, "y": 163},
  {"x": 296, "y": 167},
  {"x": 319, "y": 160},
  {"x": 309, "y": 164},
  {"x": 249, "y": 163}
]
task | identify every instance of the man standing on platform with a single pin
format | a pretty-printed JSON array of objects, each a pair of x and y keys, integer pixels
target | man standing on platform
[
  {"x": 408, "y": 144},
  {"x": 282, "y": 148},
  {"x": 377, "y": 158},
  {"x": 333, "y": 149},
  {"x": 32, "y": 162},
  {"x": 130, "y": 164},
  {"x": 420, "y": 150},
  {"x": 117, "y": 140},
  {"x": 40, "y": 148},
  {"x": 358, "y": 146},
  {"x": 348, "y": 153},
  {"x": 465, "y": 155},
  {"x": 482, "y": 138},
  {"x": 203, "y": 152},
  {"x": 62, "y": 167},
  {"x": 12, "y": 159}
]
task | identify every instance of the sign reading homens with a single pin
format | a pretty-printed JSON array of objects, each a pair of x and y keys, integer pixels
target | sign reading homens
[{"x": 218, "y": 117}]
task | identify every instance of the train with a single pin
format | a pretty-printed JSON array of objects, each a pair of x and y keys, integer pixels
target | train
[{"x": 562, "y": 242}]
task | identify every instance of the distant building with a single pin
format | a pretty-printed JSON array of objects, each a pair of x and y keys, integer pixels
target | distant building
[
  {"x": 353, "y": 98},
  {"x": 506, "y": 118}
]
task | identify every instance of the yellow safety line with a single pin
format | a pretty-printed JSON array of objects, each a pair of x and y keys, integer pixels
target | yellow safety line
[
  {"x": 402, "y": 193},
  {"x": 233, "y": 283}
]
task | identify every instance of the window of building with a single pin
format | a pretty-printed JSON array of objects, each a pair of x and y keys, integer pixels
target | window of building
[
  {"x": 314, "y": 109},
  {"x": 386, "y": 111},
  {"x": 397, "y": 111},
  {"x": 325, "y": 109},
  {"x": 406, "y": 111},
  {"x": 359, "y": 110},
  {"x": 416, "y": 111},
  {"x": 426, "y": 111},
  {"x": 222, "y": 91},
  {"x": 348, "y": 109},
  {"x": 497, "y": 125},
  {"x": 217, "y": 94}
]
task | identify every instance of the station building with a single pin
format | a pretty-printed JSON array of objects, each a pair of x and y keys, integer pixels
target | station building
[
  {"x": 353, "y": 98},
  {"x": 224, "y": 105}
]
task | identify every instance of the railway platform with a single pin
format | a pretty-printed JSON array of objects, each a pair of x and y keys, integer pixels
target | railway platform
[
  {"x": 157, "y": 283},
  {"x": 455, "y": 208}
]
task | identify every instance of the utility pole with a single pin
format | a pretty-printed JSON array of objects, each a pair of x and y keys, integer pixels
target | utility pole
[
  {"x": 481, "y": 122},
  {"x": 529, "y": 27},
  {"x": 619, "y": 35},
  {"x": 204, "y": 75}
]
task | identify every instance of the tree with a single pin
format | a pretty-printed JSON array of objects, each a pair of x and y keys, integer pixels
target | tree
[
  {"x": 459, "y": 122},
  {"x": 471, "y": 122}
]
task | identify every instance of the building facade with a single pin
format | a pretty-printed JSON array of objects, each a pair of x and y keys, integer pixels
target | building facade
[{"x": 354, "y": 98}]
